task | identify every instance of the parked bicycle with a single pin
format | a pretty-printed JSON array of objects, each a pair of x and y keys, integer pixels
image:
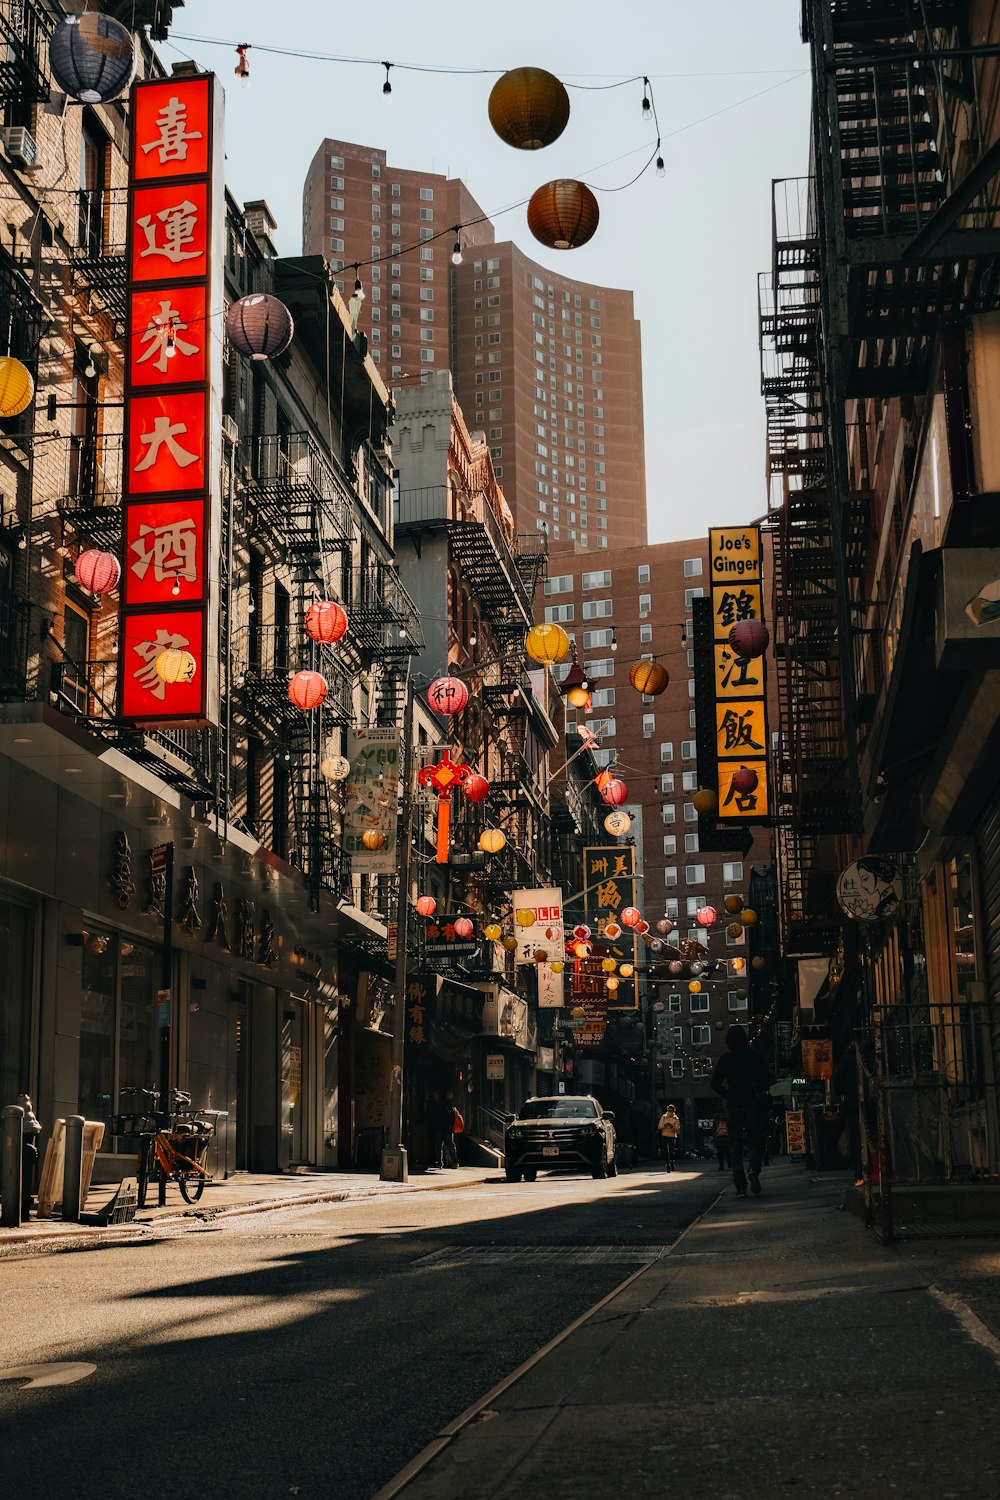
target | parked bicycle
[{"x": 171, "y": 1146}]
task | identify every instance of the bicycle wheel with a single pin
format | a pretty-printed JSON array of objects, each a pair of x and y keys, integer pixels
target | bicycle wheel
[
  {"x": 192, "y": 1185},
  {"x": 142, "y": 1172}
]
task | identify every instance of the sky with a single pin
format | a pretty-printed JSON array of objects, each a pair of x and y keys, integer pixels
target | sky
[{"x": 689, "y": 245}]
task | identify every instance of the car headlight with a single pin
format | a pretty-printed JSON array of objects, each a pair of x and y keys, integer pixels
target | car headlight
[{"x": 513, "y": 1130}]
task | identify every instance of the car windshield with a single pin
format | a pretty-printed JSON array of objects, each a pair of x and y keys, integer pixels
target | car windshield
[{"x": 564, "y": 1109}]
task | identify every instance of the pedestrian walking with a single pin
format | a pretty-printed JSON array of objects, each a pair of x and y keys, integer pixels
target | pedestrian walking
[
  {"x": 669, "y": 1126},
  {"x": 741, "y": 1079},
  {"x": 722, "y": 1142},
  {"x": 444, "y": 1118}
]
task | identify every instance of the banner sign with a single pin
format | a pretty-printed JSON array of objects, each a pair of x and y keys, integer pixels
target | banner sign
[
  {"x": 741, "y": 738},
  {"x": 440, "y": 940},
  {"x": 171, "y": 484},
  {"x": 544, "y": 933},
  {"x": 609, "y": 886},
  {"x": 371, "y": 799},
  {"x": 795, "y": 1131}
]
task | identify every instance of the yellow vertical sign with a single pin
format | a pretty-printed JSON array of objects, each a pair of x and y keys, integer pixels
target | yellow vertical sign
[{"x": 740, "y": 681}]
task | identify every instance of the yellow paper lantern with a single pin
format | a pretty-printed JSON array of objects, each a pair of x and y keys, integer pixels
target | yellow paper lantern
[
  {"x": 525, "y": 916},
  {"x": 557, "y": 966},
  {"x": 608, "y": 965},
  {"x": 493, "y": 931},
  {"x": 704, "y": 800},
  {"x": 735, "y": 929},
  {"x": 372, "y": 839},
  {"x": 528, "y": 108},
  {"x": 17, "y": 388},
  {"x": 695, "y": 987},
  {"x": 611, "y": 985},
  {"x": 748, "y": 916},
  {"x": 579, "y": 697},
  {"x": 577, "y": 1011},
  {"x": 510, "y": 943},
  {"x": 734, "y": 903},
  {"x": 175, "y": 666},
  {"x": 582, "y": 950},
  {"x": 626, "y": 971},
  {"x": 648, "y": 677},
  {"x": 491, "y": 840},
  {"x": 547, "y": 644}
]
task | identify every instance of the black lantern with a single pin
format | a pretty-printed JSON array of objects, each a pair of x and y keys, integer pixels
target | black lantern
[
  {"x": 92, "y": 57},
  {"x": 259, "y": 326}
]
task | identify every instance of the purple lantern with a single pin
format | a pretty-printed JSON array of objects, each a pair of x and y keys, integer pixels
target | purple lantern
[
  {"x": 749, "y": 638},
  {"x": 259, "y": 326},
  {"x": 675, "y": 966}
]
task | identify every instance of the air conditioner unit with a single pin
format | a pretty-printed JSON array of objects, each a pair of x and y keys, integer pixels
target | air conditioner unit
[{"x": 22, "y": 147}]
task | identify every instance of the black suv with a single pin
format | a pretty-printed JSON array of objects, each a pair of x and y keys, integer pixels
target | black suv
[{"x": 559, "y": 1130}]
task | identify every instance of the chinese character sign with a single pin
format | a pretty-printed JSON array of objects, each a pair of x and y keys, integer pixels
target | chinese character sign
[
  {"x": 371, "y": 799},
  {"x": 173, "y": 402},
  {"x": 740, "y": 681},
  {"x": 608, "y": 887},
  {"x": 544, "y": 934}
]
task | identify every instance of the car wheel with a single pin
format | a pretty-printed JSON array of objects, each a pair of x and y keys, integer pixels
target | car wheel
[
  {"x": 530, "y": 1173},
  {"x": 602, "y": 1169},
  {"x": 511, "y": 1175}
]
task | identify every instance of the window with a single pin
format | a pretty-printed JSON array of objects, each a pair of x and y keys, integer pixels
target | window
[
  {"x": 694, "y": 874},
  {"x": 648, "y": 726},
  {"x": 427, "y": 356},
  {"x": 690, "y": 813},
  {"x": 691, "y": 594},
  {"x": 737, "y": 1001},
  {"x": 603, "y": 666},
  {"x": 645, "y": 635},
  {"x": 692, "y": 567},
  {"x": 666, "y": 751},
  {"x": 427, "y": 195},
  {"x": 689, "y": 781},
  {"x": 699, "y": 1003},
  {"x": 676, "y": 1065},
  {"x": 670, "y": 876},
  {"x": 690, "y": 843},
  {"x": 669, "y": 844},
  {"x": 689, "y": 750},
  {"x": 732, "y": 870},
  {"x": 600, "y": 580},
  {"x": 558, "y": 614},
  {"x": 595, "y": 638},
  {"x": 667, "y": 783},
  {"x": 118, "y": 1033},
  {"x": 645, "y": 604},
  {"x": 607, "y": 726},
  {"x": 596, "y": 609},
  {"x": 701, "y": 1036},
  {"x": 426, "y": 213},
  {"x": 668, "y": 812}
]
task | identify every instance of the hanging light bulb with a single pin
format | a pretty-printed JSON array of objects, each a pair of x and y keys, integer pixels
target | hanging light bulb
[
  {"x": 90, "y": 370},
  {"x": 661, "y": 170},
  {"x": 170, "y": 343},
  {"x": 614, "y": 639},
  {"x": 387, "y": 86},
  {"x": 359, "y": 290},
  {"x": 242, "y": 69},
  {"x": 176, "y": 587},
  {"x": 647, "y": 108},
  {"x": 456, "y": 253}
]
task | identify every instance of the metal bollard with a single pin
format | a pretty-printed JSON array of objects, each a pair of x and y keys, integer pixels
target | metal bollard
[
  {"x": 10, "y": 1166},
  {"x": 73, "y": 1169}
]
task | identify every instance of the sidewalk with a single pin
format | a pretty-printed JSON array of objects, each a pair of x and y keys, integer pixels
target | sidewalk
[
  {"x": 246, "y": 1193},
  {"x": 776, "y": 1349}
]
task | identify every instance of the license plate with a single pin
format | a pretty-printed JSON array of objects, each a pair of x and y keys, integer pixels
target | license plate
[{"x": 550, "y": 1150}]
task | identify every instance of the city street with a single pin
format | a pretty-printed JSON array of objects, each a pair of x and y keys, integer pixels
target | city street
[{"x": 312, "y": 1349}]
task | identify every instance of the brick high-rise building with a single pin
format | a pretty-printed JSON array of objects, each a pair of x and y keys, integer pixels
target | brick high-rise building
[{"x": 548, "y": 366}]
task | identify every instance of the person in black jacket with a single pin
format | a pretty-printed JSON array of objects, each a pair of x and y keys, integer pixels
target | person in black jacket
[{"x": 741, "y": 1079}]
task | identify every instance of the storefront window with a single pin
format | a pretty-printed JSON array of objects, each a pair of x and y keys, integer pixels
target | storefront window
[
  {"x": 17, "y": 927},
  {"x": 117, "y": 1031}
]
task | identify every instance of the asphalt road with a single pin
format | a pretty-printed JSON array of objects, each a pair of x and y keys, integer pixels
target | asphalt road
[{"x": 312, "y": 1350}]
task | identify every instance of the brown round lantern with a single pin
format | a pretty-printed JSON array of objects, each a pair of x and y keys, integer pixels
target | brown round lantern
[
  {"x": 648, "y": 677},
  {"x": 372, "y": 839},
  {"x": 528, "y": 108},
  {"x": 563, "y": 214}
]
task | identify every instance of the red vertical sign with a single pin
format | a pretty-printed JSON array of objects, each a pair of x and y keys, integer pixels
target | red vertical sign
[{"x": 173, "y": 402}]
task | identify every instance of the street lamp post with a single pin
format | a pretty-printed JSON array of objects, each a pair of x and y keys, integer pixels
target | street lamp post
[{"x": 394, "y": 1162}]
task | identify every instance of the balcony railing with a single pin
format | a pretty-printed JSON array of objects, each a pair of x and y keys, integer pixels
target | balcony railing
[
  {"x": 90, "y": 492},
  {"x": 25, "y": 30},
  {"x": 99, "y": 252},
  {"x": 297, "y": 492},
  {"x": 501, "y": 582}
]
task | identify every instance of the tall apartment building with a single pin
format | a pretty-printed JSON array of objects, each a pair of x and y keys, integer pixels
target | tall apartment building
[
  {"x": 547, "y": 366},
  {"x": 631, "y": 603}
]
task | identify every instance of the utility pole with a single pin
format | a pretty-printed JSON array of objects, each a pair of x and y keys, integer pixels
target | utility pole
[{"x": 394, "y": 1165}]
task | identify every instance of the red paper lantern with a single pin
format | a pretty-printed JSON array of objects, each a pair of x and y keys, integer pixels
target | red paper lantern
[
  {"x": 463, "y": 927},
  {"x": 641, "y": 928},
  {"x": 476, "y": 788},
  {"x": 745, "y": 780},
  {"x": 325, "y": 621},
  {"x": 706, "y": 916},
  {"x": 614, "y": 792},
  {"x": 426, "y": 906},
  {"x": 629, "y": 916},
  {"x": 563, "y": 214},
  {"x": 582, "y": 932},
  {"x": 98, "y": 572},
  {"x": 307, "y": 689},
  {"x": 749, "y": 638},
  {"x": 447, "y": 695}
]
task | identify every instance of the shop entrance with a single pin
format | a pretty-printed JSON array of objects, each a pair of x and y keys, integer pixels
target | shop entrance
[
  {"x": 217, "y": 1068},
  {"x": 294, "y": 1103}
]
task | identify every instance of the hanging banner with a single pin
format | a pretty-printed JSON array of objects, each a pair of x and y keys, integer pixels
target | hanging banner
[
  {"x": 171, "y": 485},
  {"x": 741, "y": 737},
  {"x": 544, "y": 934},
  {"x": 609, "y": 886},
  {"x": 371, "y": 799}
]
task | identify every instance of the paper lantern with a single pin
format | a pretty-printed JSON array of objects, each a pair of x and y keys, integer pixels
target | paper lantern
[
  {"x": 307, "y": 689},
  {"x": 626, "y": 971},
  {"x": 17, "y": 388},
  {"x": 541, "y": 955},
  {"x": 372, "y": 839},
  {"x": 577, "y": 1011},
  {"x": 734, "y": 930},
  {"x": 611, "y": 985},
  {"x": 493, "y": 931},
  {"x": 524, "y": 916},
  {"x": 608, "y": 965},
  {"x": 656, "y": 946},
  {"x": 463, "y": 927},
  {"x": 705, "y": 801},
  {"x": 641, "y": 927},
  {"x": 648, "y": 677},
  {"x": 582, "y": 950},
  {"x": 581, "y": 930},
  {"x": 426, "y": 906},
  {"x": 695, "y": 987},
  {"x": 510, "y": 944},
  {"x": 749, "y": 638},
  {"x": 325, "y": 621},
  {"x": 563, "y": 214},
  {"x": 741, "y": 991},
  {"x": 617, "y": 823},
  {"x": 629, "y": 916},
  {"x": 447, "y": 695},
  {"x": 745, "y": 780},
  {"x": 612, "y": 930},
  {"x": 557, "y": 966},
  {"x": 175, "y": 666},
  {"x": 706, "y": 916},
  {"x": 491, "y": 841},
  {"x": 259, "y": 326},
  {"x": 547, "y": 644},
  {"x": 733, "y": 903},
  {"x": 758, "y": 962},
  {"x": 98, "y": 572},
  {"x": 675, "y": 966},
  {"x": 528, "y": 108},
  {"x": 92, "y": 57},
  {"x": 748, "y": 916},
  {"x": 614, "y": 792},
  {"x": 476, "y": 789},
  {"x": 697, "y": 968},
  {"x": 335, "y": 767}
]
